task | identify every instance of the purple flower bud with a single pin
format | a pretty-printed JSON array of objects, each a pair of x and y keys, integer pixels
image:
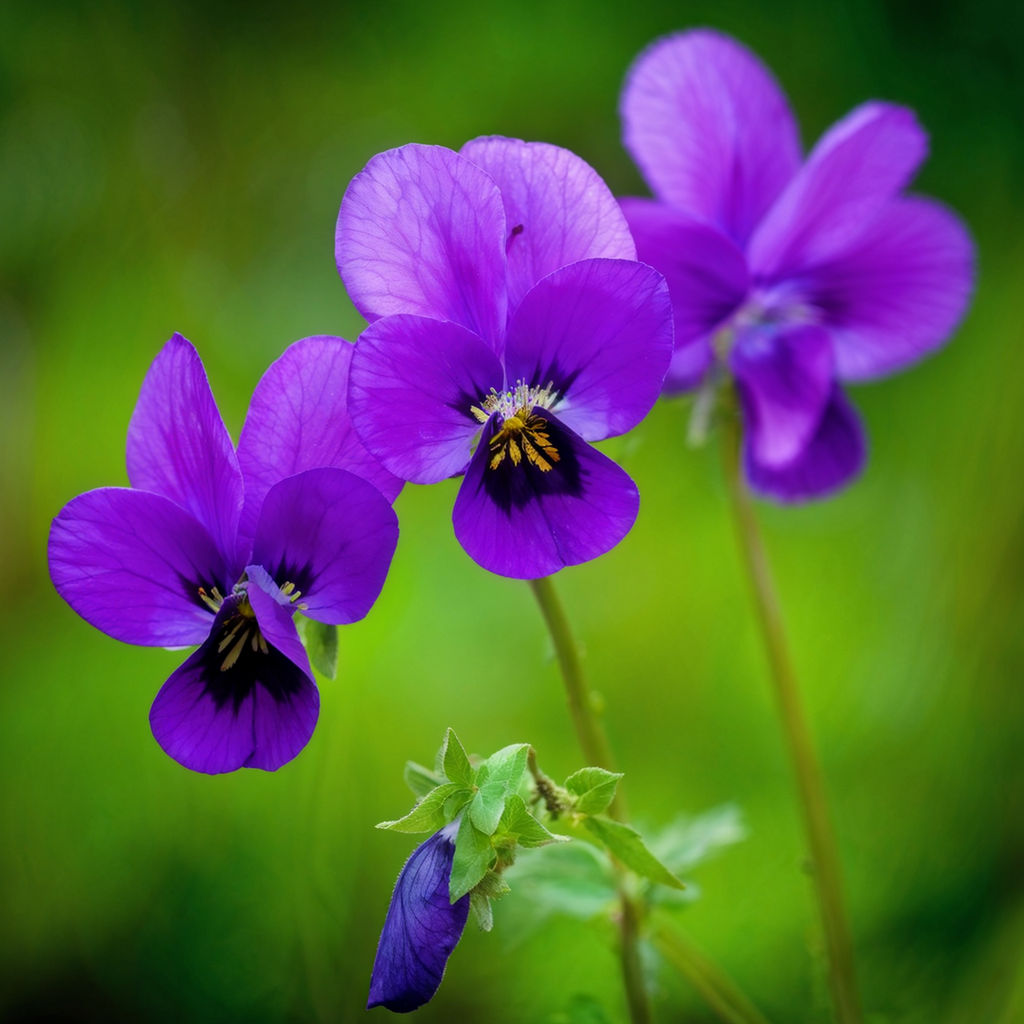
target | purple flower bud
[{"x": 421, "y": 929}]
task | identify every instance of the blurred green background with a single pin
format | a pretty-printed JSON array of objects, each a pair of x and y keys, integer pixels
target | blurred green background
[{"x": 179, "y": 167}]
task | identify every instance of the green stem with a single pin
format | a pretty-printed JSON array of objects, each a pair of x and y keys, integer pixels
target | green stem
[
  {"x": 810, "y": 782},
  {"x": 719, "y": 992},
  {"x": 594, "y": 744}
]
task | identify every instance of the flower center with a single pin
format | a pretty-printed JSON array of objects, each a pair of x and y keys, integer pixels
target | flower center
[
  {"x": 523, "y": 434},
  {"x": 241, "y": 627},
  {"x": 239, "y": 630}
]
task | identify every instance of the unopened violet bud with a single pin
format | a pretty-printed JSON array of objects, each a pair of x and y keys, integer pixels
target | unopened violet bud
[{"x": 421, "y": 929}]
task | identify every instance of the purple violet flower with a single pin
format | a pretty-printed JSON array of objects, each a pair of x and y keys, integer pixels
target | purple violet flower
[
  {"x": 506, "y": 309},
  {"x": 421, "y": 929},
  {"x": 796, "y": 276},
  {"x": 215, "y": 547}
]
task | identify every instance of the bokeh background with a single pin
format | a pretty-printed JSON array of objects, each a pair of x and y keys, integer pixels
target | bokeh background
[{"x": 179, "y": 167}]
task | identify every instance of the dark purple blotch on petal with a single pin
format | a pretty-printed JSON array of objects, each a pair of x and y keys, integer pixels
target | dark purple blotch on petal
[
  {"x": 420, "y": 931},
  {"x": 236, "y": 701},
  {"x": 511, "y": 485}
]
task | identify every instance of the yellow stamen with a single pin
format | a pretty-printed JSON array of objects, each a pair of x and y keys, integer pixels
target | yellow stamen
[
  {"x": 524, "y": 433},
  {"x": 235, "y": 652}
]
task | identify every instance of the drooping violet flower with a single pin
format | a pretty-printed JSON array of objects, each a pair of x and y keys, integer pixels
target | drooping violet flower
[
  {"x": 507, "y": 311},
  {"x": 794, "y": 276},
  {"x": 219, "y": 548},
  {"x": 421, "y": 929}
]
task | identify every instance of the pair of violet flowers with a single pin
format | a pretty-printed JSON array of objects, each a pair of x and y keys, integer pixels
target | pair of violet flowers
[{"x": 220, "y": 547}]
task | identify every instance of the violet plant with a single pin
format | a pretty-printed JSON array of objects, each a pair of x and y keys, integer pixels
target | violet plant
[
  {"x": 510, "y": 327},
  {"x": 788, "y": 279},
  {"x": 220, "y": 547},
  {"x": 480, "y": 813}
]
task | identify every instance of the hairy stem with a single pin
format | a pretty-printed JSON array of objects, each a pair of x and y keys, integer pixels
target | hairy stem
[{"x": 806, "y": 768}]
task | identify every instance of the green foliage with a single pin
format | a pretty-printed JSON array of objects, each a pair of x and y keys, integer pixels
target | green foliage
[
  {"x": 487, "y": 806},
  {"x": 473, "y": 857},
  {"x": 507, "y": 766},
  {"x": 625, "y": 843},
  {"x": 322, "y": 647},
  {"x": 429, "y": 814},
  {"x": 419, "y": 779},
  {"x": 518, "y": 824},
  {"x": 480, "y": 906},
  {"x": 593, "y": 788},
  {"x": 454, "y": 762}
]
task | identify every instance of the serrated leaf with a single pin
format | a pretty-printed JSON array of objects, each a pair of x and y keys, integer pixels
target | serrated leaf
[
  {"x": 594, "y": 789},
  {"x": 507, "y": 766},
  {"x": 487, "y": 806},
  {"x": 427, "y": 815},
  {"x": 419, "y": 779},
  {"x": 481, "y": 907},
  {"x": 625, "y": 843},
  {"x": 322, "y": 647},
  {"x": 454, "y": 762},
  {"x": 473, "y": 857},
  {"x": 518, "y": 822}
]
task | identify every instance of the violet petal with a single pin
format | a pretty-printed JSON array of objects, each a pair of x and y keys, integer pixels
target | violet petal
[
  {"x": 422, "y": 230},
  {"x": 856, "y": 168},
  {"x": 519, "y": 521},
  {"x": 831, "y": 460},
  {"x": 784, "y": 377},
  {"x": 258, "y": 712},
  {"x": 899, "y": 293},
  {"x": 131, "y": 563},
  {"x": 421, "y": 929},
  {"x": 710, "y": 129},
  {"x": 179, "y": 447},
  {"x": 330, "y": 534},
  {"x": 557, "y": 209},
  {"x": 707, "y": 280},
  {"x": 298, "y": 419},
  {"x": 275, "y": 615},
  {"x": 601, "y": 332},
  {"x": 412, "y": 386}
]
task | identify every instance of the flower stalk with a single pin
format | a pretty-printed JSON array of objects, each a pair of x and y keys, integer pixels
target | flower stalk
[
  {"x": 716, "y": 988},
  {"x": 810, "y": 782}
]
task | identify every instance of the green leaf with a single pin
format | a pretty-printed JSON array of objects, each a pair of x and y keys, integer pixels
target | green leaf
[
  {"x": 454, "y": 762},
  {"x": 594, "y": 789},
  {"x": 473, "y": 856},
  {"x": 419, "y": 779},
  {"x": 427, "y": 815},
  {"x": 481, "y": 907},
  {"x": 625, "y": 843},
  {"x": 519, "y": 823},
  {"x": 322, "y": 647},
  {"x": 487, "y": 806},
  {"x": 507, "y": 766}
]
